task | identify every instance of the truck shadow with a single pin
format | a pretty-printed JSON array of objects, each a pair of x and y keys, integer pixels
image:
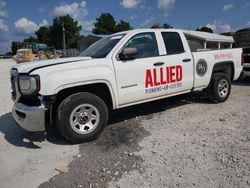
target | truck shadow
[
  {"x": 21, "y": 138},
  {"x": 242, "y": 82},
  {"x": 14, "y": 134},
  {"x": 150, "y": 108}
]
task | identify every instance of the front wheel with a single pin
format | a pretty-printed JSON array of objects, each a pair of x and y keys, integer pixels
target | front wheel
[
  {"x": 220, "y": 88},
  {"x": 82, "y": 117}
]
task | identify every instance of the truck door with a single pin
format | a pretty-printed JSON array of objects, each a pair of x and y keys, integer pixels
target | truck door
[
  {"x": 131, "y": 74},
  {"x": 178, "y": 62}
]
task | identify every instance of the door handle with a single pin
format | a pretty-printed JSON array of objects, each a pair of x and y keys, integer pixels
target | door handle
[
  {"x": 159, "y": 64},
  {"x": 186, "y": 60}
]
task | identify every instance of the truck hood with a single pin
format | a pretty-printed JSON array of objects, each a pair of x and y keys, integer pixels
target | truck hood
[{"x": 28, "y": 67}]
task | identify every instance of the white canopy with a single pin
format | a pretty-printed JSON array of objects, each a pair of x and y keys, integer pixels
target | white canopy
[{"x": 209, "y": 37}]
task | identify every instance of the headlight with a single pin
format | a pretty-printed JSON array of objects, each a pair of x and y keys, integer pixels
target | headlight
[{"x": 29, "y": 85}]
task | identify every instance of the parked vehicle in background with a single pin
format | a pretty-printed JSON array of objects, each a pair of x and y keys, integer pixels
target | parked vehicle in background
[
  {"x": 242, "y": 39},
  {"x": 24, "y": 55},
  {"x": 246, "y": 67},
  {"x": 36, "y": 47},
  {"x": 28, "y": 55},
  {"x": 120, "y": 70}
]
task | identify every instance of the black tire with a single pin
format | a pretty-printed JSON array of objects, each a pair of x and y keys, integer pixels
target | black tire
[
  {"x": 215, "y": 93},
  {"x": 67, "y": 107}
]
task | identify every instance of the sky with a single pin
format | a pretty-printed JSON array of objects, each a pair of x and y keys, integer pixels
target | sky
[{"x": 21, "y": 18}]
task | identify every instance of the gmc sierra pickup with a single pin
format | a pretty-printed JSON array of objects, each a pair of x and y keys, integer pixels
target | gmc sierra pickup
[{"x": 120, "y": 70}]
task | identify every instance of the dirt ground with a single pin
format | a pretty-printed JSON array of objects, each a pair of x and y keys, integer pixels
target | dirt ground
[
  {"x": 183, "y": 141},
  {"x": 26, "y": 160}
]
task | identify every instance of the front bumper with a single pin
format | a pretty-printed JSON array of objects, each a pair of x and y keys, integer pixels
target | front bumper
[{"x": 30, "y": 118}]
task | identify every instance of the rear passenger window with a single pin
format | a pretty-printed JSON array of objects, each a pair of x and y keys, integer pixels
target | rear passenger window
[{"x": 172, "y": 42}]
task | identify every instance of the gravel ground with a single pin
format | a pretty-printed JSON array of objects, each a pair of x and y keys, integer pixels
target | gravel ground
[
  {"x": 197, "y": 145},
  {"x": 26, "y": 160},
  {"x": 183, "y": 141}
]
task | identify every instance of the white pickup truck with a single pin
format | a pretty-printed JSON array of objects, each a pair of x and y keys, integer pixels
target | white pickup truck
[{"x": 120, "y": 70}]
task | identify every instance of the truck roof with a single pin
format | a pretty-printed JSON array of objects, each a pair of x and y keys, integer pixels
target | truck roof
[
  {"x": 146, "y": 30},
  {"x": 211, "y": 37}
]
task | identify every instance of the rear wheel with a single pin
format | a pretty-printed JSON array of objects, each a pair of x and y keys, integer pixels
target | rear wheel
[
  {"x": 82, "y": 117},
  {"x": 220, "y": 88}
]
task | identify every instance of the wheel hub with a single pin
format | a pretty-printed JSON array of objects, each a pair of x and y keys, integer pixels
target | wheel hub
[
  {"x": 223, "y": 88},
  {"x": 84, "y": 118}
]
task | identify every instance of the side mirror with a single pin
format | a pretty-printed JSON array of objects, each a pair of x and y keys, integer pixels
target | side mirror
[{"x": 128, "y": 53}]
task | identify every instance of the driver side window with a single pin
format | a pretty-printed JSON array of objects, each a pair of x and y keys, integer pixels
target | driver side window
[{"x": 145, "y": 43}]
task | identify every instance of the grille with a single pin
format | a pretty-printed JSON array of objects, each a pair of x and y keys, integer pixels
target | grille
[{"x": 13, "y": 78}]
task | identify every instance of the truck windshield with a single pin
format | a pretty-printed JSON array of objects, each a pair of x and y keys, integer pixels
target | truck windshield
[{"x": 101, "y": 48}]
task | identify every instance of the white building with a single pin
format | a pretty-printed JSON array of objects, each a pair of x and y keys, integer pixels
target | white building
[{"x": 242, "y": 37}]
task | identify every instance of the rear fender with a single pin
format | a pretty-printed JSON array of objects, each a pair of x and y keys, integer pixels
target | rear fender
[{"x": 225, "y": 67}]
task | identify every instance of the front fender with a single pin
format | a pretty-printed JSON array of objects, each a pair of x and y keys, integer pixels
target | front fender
[
  {"x": 56, "y": 78},
  {"x": 90, "y": 82}
]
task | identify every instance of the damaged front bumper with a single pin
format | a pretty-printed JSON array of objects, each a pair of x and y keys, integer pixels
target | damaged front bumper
[{"x": 30, "y": 118}]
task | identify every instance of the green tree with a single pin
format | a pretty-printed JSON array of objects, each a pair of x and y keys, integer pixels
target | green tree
[
  {"x": 165, "y": 26},
  {"x": 52, "y": 35},
  {"x": 30, "y": 40},
  {"x": 9, "y": 53},
  {"x": 156, "y": 26},
  {"x": 227, "y": 33},
  {"x": 72, "y": 32},
  {"x": 104, "y": 25},
  {"x": 205, "y": 29},
  {"x": 123, "y": 26},
  {"x": 42, "y": 35},
  {"x": 15, "y": 45}
]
